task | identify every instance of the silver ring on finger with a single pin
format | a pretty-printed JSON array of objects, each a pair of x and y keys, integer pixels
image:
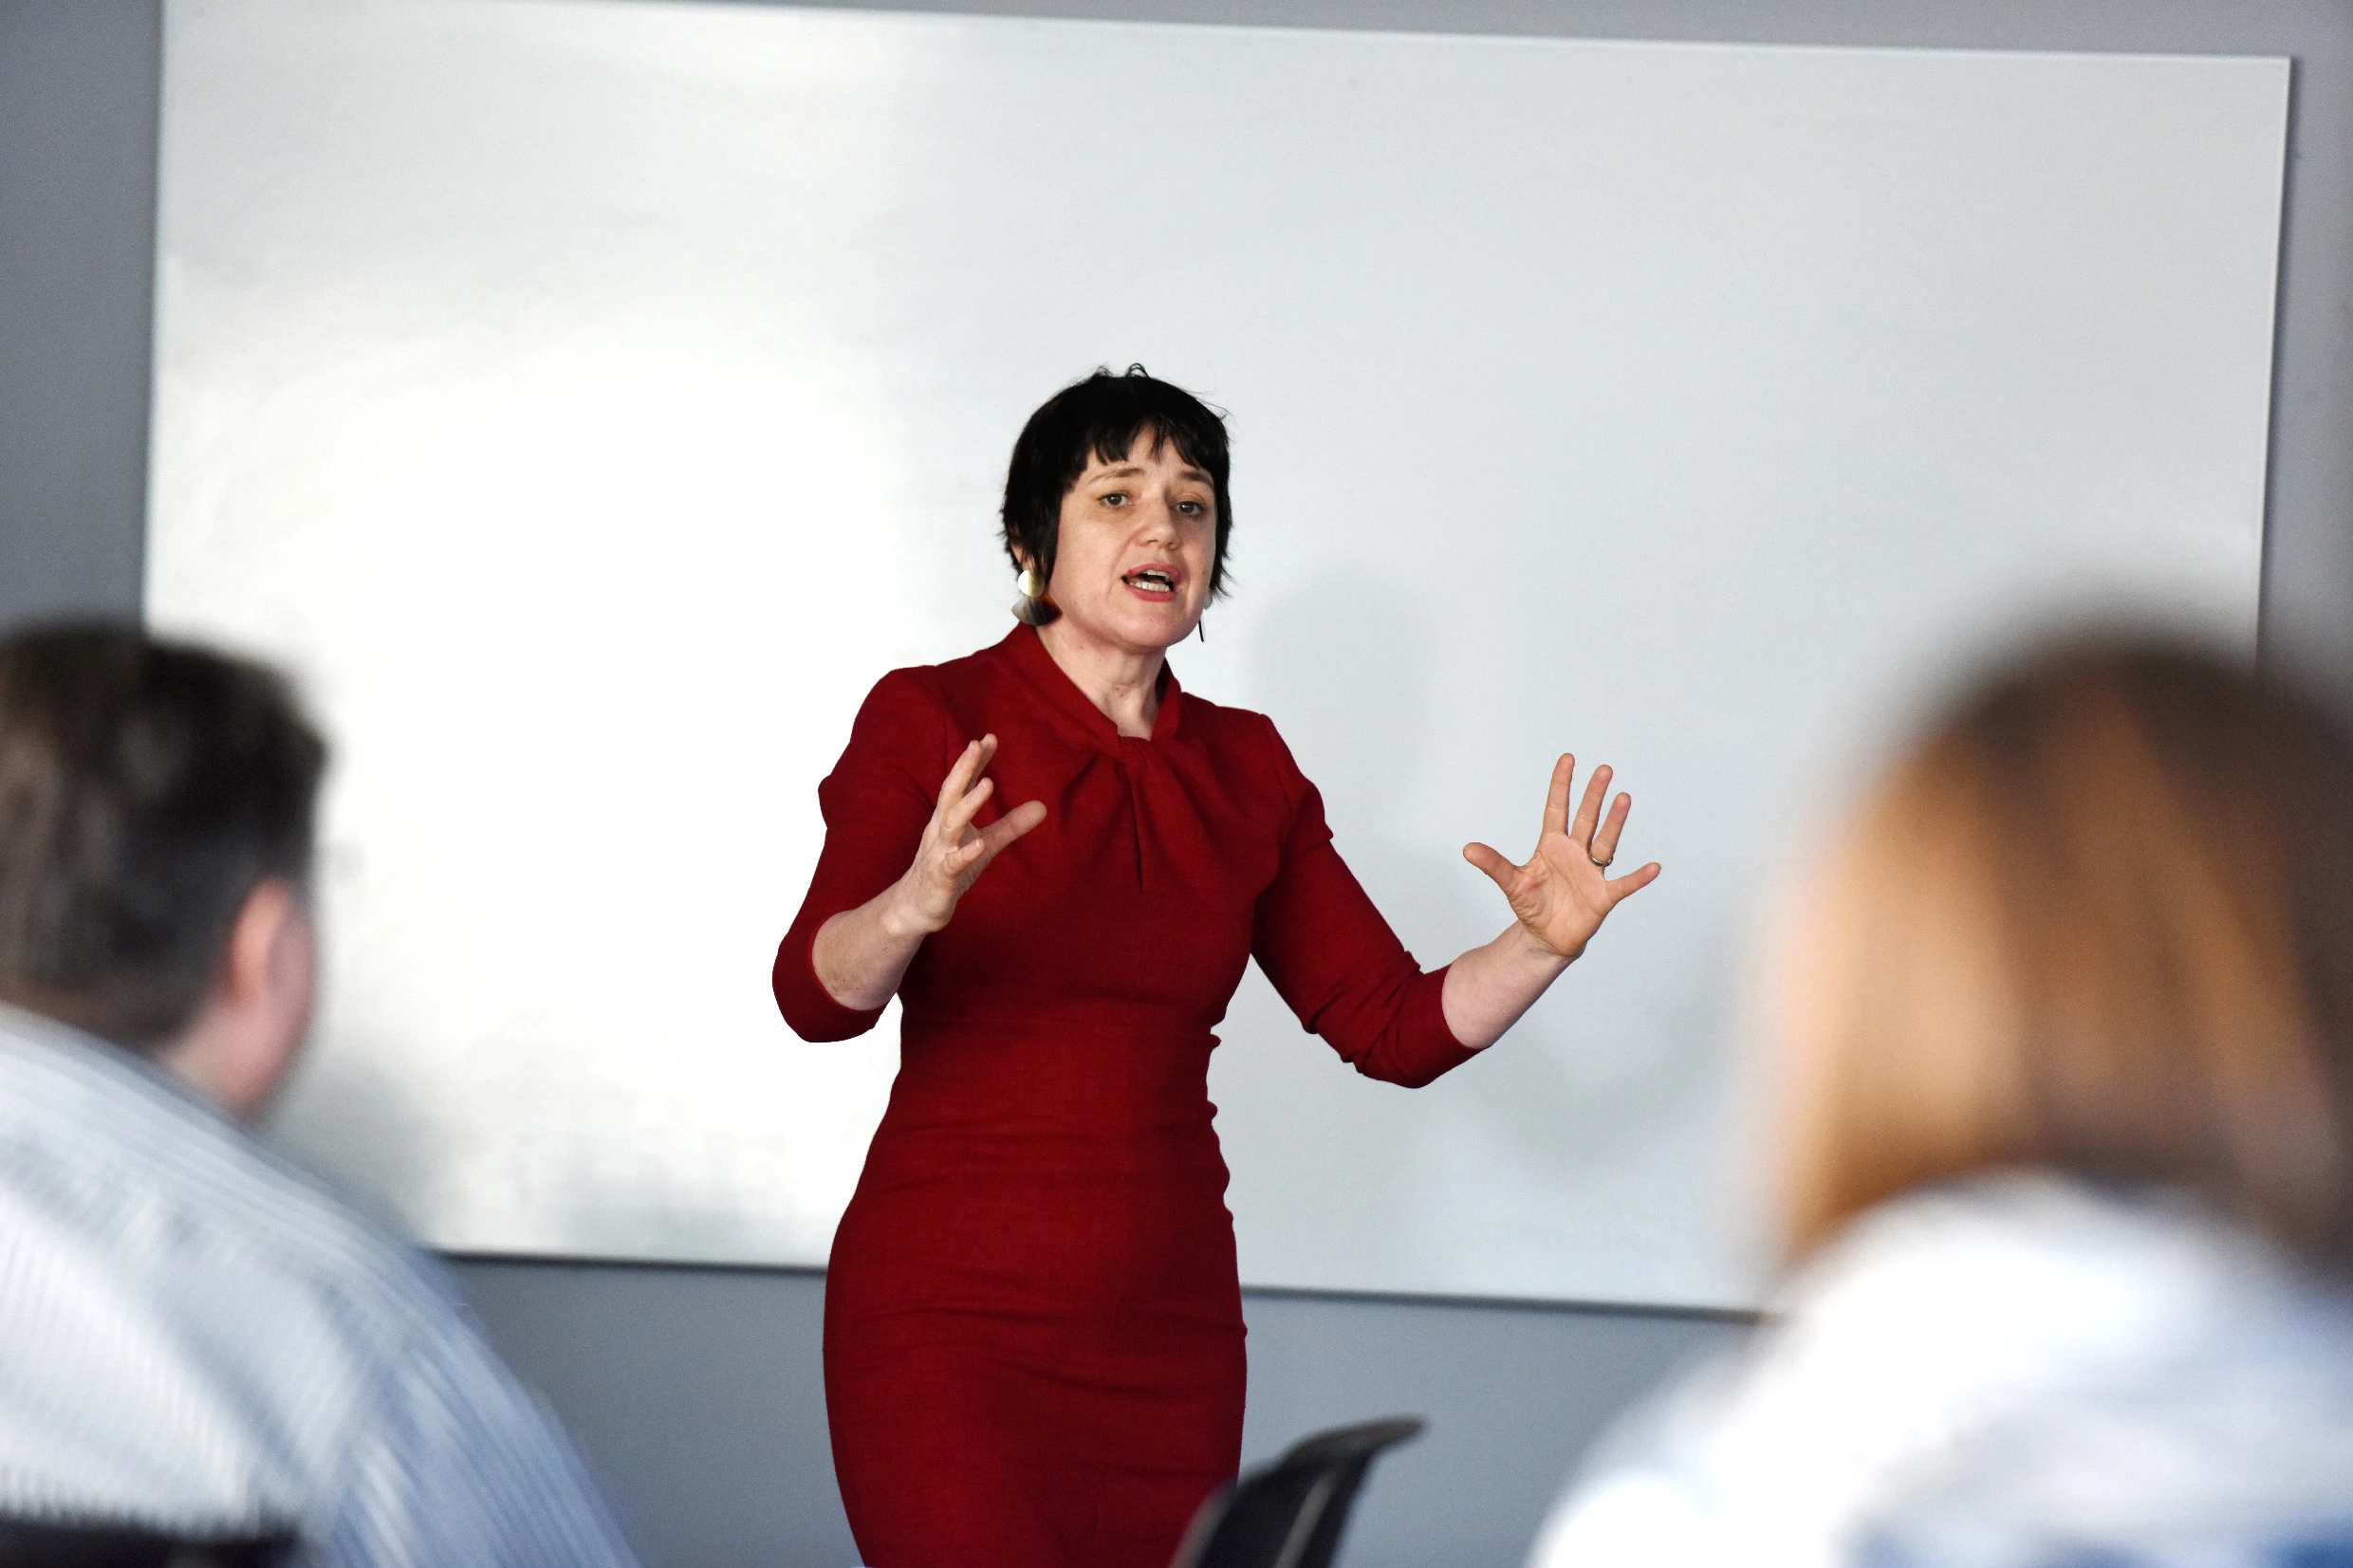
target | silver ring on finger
[{"x": 1601, "y": 860}]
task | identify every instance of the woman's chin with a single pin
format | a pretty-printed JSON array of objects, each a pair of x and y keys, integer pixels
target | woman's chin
[
  {"x": 1166, "y": 631},
  {"x": 1140, "y": 629}
]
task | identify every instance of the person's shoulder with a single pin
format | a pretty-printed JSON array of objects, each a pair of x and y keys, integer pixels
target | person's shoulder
[
  {"x": 170, "y": 1269},
  {"x": 918, "y": 717},
  {"x": 1224, "y": 726},
  {"x": 124, "y": 1152},
  {"x": 910, "y": 689},
  {"x": 333, "y": 1242},
  {"x": 941, "y": 689},
  {"x": 1245, "y": 741}
]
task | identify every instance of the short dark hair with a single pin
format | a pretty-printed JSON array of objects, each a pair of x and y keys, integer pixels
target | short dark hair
[
  {"x": 1100, "y": 417},
  {"x": 146, "y": 788}
]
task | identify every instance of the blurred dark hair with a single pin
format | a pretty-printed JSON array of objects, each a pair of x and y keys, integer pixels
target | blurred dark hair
[
  {"x": 1099, "y": 418},
  {"x": 2098, "y": 918},
  {"x": 146, "y": 788}
]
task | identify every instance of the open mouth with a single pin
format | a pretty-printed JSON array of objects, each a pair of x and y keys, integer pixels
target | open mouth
[{"x": 1158, "y": 582}]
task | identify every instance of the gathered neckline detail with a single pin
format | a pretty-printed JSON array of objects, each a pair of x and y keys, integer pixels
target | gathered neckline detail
[{"x": 1030, "y": 657}]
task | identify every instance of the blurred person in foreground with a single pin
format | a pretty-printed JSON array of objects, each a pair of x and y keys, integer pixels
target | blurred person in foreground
[
  {"x": 198, "y": 1338},
  {"x": 2062, "y": 1032}
]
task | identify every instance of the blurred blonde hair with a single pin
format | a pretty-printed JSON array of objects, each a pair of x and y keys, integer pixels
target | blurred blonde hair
[{"x": 2100, "y": 918}]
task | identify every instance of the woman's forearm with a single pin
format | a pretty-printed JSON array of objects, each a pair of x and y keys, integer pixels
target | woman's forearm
[
  {"x": 1489, "y": 987},
  {"x": 862, "y": 954}
]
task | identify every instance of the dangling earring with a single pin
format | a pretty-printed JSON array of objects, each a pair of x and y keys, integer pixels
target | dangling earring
[
  {"x": 1033, "y": 608},
  {"x": 1200, "y": 628}
]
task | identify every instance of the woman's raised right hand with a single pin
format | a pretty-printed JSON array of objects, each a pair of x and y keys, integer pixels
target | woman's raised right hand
[{"x": 954, "y": 854}]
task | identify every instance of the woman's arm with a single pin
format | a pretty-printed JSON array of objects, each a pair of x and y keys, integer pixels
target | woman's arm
[
  {"x": 862, "y": 954},
  {"x": 1489, "y": 987},
  {"x": 1560, "y": 897}
]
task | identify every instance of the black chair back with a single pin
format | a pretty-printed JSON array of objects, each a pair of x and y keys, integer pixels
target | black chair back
[
  {"x": 1289, "y": 1514},
  {"x": 28, "y": 1545}
]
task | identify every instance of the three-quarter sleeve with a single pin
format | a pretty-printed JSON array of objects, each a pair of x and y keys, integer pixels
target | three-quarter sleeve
[
  {"x": 876, "y": 803},
  {"x": 1335, "y": 961}
]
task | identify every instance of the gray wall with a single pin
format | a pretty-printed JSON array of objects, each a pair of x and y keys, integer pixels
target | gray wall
[
  {"x": 696, "y": 1392},
  {"x": 77, "y": 99}
]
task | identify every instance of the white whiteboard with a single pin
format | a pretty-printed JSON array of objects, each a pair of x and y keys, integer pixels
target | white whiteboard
[{"x": 591, "y": 399}]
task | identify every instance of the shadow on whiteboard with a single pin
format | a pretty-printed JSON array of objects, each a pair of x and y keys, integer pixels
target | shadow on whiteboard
[{"x": 1583, "y": 1119}]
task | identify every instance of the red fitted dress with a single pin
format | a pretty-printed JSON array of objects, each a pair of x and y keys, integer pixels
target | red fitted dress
[{"x": 1033, "y": 1333}]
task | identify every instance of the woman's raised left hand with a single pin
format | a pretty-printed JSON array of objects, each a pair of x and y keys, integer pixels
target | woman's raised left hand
[{"x": 1565, "y": 891}]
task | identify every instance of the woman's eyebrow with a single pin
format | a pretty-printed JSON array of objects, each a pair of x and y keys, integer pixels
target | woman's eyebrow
[{"x": 1129, "y": 470}]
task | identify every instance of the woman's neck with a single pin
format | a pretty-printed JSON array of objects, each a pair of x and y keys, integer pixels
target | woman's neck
[{"x": 1124, "y": 684}]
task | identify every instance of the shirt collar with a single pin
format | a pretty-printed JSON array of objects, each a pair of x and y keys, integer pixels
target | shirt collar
[{"x": 33, "y": 1041}]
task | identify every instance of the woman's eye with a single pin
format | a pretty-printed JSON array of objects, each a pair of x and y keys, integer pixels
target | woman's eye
[
  {"x": 1192, "y": 508},
  {"x": 1114, "y": 498}
]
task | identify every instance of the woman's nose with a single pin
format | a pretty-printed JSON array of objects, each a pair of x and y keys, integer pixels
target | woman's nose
[{"x": 1160, "y": 520}]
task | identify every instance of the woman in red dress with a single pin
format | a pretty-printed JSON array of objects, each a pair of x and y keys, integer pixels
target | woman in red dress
[{"x": 1033, "y": 1329}]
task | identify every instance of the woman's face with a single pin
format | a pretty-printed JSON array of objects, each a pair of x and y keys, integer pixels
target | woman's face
[{"x": 1138, "y": 539}]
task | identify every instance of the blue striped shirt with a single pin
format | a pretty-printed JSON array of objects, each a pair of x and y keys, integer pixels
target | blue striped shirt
[{"x": 197, "y": 1337}]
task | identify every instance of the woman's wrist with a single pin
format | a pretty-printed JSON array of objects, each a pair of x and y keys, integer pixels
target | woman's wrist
[
  {"x": 1489, "y": 987},
  {"x": 902, "y": 915},
  {"x": 1536, "y": 952}
]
